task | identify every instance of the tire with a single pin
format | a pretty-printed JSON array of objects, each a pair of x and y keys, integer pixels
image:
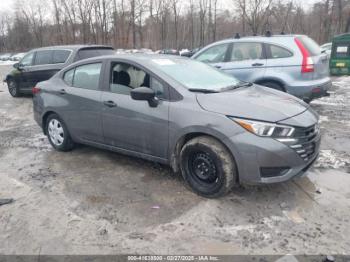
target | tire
[
  {"x": 13, "y": 88},
  {"x": 207, "y": 167},
  {"x": 57, "y": 133},
  {"x": 273, "y": 85}
]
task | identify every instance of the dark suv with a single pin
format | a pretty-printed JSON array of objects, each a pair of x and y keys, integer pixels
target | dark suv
[{"x": 41, "y": 64}]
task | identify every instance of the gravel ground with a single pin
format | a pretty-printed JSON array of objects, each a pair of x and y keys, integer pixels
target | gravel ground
[{"x": 90, "y": 201}]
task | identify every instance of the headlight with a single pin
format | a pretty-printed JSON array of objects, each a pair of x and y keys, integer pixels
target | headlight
[{"x": 265, "y": 129}]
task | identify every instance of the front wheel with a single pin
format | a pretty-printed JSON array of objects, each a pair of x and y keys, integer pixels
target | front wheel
[
  {"x": 13, "y": 88},
  {"x": 58, "y": 134},
  {"x": 207, "y": 167}
]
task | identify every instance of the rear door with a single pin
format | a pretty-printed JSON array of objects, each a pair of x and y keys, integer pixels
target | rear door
[
  {"x": 246, "y": 61},
  {"x": 48, "y": 62},
  {"x": 82, "y": 111},
  {"x": 281, "y": 64}
]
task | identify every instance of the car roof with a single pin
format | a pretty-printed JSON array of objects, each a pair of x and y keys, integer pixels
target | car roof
[
  {"x": 137, "y": 57},
  {"x": 73, "y": 47},
  {"x": 258, "y": 37}
]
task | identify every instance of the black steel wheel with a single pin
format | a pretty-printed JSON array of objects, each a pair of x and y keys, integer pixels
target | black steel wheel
[{"x": 207, "y": 167}]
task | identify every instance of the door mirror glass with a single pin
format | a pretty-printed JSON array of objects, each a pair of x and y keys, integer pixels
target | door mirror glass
[{"x": 16, "y": 65}]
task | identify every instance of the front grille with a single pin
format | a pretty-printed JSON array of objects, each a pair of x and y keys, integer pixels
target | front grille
[{"x": 304, "y": 141}]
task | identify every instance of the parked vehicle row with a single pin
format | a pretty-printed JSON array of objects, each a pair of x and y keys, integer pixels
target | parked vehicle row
[{"x": 11, "y": 56}]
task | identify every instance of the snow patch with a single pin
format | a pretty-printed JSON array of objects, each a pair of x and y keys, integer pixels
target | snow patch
[{"x": 332, "y": 159}]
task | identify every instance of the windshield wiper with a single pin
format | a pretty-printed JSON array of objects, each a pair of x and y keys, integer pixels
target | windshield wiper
[
  {"x": 243, "y": 84},
  {"x": 239, "y": 85},
  {"x": 202, "y": 90}
]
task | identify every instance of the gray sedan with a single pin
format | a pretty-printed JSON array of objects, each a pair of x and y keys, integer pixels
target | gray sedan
[{"x": 216, "y": 130}]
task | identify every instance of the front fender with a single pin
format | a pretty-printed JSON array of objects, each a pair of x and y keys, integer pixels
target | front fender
[{"x": 179, "y": 139}]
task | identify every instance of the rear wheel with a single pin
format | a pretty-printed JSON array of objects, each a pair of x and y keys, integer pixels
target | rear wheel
[
  {"x": 273, "y": 85},
  {"x": 58, "y": 134},
  {"x": 13, "y": 88},
  {"x": 207, "y": 167}
]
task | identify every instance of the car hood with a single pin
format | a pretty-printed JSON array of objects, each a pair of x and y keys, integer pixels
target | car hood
[{"x": 255, "y": 102}]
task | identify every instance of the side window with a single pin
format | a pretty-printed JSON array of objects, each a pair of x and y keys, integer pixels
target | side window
[
  {"x": 125, "y": 77},
  {"x": 86, "y": 76},
  {"x": 27, "y": 60},
  {"x": 279, "y": 52},
  {"x": 214, "y": 54},
  {"x": 68, "y": 77},
  {"x": 43, "y": 57},
  {"x": 247, "y": 51},
  {"x": 60, "y": 56}
]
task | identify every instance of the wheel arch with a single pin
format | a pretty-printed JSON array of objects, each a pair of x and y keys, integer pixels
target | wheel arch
[
  {"x": 273, "y": 80},
  {"x": 182, "y": 140}
]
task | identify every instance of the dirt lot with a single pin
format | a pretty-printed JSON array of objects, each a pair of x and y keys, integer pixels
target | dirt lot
[{"x": 90, "y": 201}]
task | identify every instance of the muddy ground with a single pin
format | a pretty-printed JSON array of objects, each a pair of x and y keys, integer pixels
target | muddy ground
[{"x": 91, "y": 201}]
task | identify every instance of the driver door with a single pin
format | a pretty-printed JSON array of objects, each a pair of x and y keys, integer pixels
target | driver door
[{"x": 135, "y": 125}]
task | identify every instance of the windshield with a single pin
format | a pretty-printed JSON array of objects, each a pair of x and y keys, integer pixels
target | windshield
[{"x": 195, "y": 75}]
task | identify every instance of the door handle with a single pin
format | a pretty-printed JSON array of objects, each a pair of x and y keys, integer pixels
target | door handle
[
  {"x": 109, "y": 103},
  {"x": 217, "y": 66},
  {"x": 62, "y": 92},
  {"x": 257, "y": 64}
]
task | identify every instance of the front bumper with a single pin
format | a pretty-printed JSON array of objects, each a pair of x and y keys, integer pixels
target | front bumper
[{"x": 253, "y": 153}]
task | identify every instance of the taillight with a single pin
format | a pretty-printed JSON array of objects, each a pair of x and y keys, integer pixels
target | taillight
[
  {"x": 35, "y": 90},
  {"x": 308, "y": 64}
]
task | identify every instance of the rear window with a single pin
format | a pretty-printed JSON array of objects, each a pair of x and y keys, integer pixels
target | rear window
[
  {"x": 313, "y": 48},
  {"x": 92, "y": 52},
  {"x": 60, "y": 56}
]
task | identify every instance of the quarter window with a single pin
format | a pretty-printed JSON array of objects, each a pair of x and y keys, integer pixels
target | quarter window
[
  {"x": 68, "y": 77},
  {"x": 85, "y": 76},
  {"x": 214, "y": 54},
  {"x": 60, "y": 56},
  {"x": 279, "y": 52},
  {"x": 246, "y": 51},
  {"x": 43, "y": 57}
]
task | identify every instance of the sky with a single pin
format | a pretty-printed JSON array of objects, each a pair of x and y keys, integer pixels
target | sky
[{"x": 8, "y": 4}]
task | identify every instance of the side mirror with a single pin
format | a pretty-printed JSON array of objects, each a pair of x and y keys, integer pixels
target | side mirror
[
  {"x": 144, "y": 94},
  {"x": 18, "y": 66}
]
